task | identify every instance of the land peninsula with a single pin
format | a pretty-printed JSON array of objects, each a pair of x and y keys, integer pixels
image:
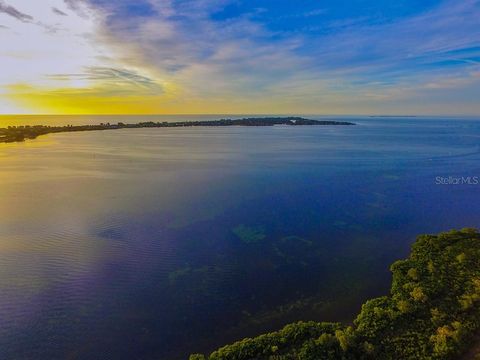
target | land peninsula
[{"x": 21, "y": 133}]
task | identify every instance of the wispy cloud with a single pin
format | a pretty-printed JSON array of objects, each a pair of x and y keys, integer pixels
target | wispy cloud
[
  {"x": 206, "y": 57},
  {"x": 241, "y": 57},
  {"x": 58, "y": 12},
  {"x": 13, "y": 12},
  {"x": 417, "y": 41},
  {"x": 184, "y": 57},
  {"x": 303, "y": 14},
  {"x": 78, "y": 7},
  {"x": 47, "y": 44},
  {"x": 108, "y": 76}
]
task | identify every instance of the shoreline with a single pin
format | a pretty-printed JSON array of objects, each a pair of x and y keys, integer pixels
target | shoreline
[
  {"x": 431, "y": 312},
  {"x": 22, "y": 133}
]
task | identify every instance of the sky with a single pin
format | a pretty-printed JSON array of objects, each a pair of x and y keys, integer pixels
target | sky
[{"x": 240, "y": 57}]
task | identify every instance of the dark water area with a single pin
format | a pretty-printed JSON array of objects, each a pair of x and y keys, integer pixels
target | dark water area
[{"x": 156, "y": 243}]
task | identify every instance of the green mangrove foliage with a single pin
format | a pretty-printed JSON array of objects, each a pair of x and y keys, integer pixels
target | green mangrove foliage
[{"x": 432, "y": 311}]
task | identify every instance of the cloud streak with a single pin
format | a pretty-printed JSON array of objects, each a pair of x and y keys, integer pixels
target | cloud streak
[
  {"x": 58, "y": 12},
  {"x": 113, "y": 77},
  {"x": 189, "y": 58},
  {"x": 240, "y": 57},
  {"x": 13, "y": 12}
]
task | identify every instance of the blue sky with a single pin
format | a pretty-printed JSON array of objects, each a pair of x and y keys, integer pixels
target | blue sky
[{"x": 239, "y": 56}]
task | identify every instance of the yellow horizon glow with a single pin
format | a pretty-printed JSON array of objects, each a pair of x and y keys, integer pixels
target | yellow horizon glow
[
  {"x": 83, "y": 101},
  {"x": 101, "y": 100}
]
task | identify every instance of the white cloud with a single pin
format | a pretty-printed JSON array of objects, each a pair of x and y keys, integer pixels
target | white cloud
[
  {"x": 238, "y": 60},
  {"x": 48, "y": 43},
  {"x": 242, "y": 58}
]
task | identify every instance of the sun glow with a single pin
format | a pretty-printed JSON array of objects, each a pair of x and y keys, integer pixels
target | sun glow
[
  {"x": 164, "y": 57},
  {"x": 54, "y": 62}
]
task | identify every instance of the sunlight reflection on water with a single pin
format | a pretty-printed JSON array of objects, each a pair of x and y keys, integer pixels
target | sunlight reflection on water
[{"x": 160, "y": 242}]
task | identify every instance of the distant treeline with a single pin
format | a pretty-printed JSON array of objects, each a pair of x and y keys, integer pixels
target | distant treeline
[
  {"x": 21, "y": 133},
  {"x": 432, "y": 312}
]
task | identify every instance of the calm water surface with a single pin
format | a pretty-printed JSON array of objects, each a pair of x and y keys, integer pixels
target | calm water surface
[{"x": 155, "y": 243}]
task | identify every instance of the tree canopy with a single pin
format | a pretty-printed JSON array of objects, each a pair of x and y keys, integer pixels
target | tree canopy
[{"x": 432, "y": 312}]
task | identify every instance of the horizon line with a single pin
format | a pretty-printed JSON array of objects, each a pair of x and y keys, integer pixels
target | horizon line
[{"x": 250, "y": 114}]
